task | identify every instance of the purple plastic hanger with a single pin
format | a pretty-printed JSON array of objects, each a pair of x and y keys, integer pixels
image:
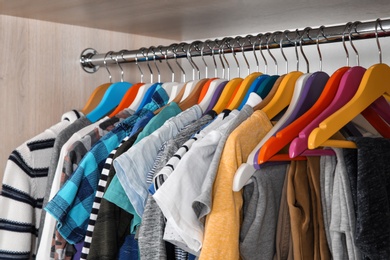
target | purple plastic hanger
[
  {"x": 310, "y": 93},
  {"x": 216, "y": 95}
]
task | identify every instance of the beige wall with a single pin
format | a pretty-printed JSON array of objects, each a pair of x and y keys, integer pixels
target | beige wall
[{"x": 40, "y": 75}]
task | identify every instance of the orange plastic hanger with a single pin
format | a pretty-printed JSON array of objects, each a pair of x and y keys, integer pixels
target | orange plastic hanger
[
  {"x": 95, "y": 98},
  {"x": 241, "y": 90},
  {"x": 127, "y": 99},
  {"x": 208, "y": 92},
  {"x": 283, "y": 94},
  {"x": 285, "y": 136}
]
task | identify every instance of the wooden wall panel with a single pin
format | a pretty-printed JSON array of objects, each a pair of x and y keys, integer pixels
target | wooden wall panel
[{"x": 40, "y": 75}]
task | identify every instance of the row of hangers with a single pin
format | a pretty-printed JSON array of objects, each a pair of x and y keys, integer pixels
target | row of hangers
[{"x": 311, "y": 107}]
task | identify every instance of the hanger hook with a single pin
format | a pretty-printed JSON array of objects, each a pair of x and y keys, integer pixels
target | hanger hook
[
  {"x": 207, "y": 42},
  {"x": 270, "y": 36},
  {"x": 153, "y": 49},
  {"x": 354, "y": 25},
  {"x": 147, "y": 62},
  {"x": 284, "y": 34},
  {"x": 165, "y": 54},
  {"x": 218, "y": 44},
  {"x": 243, "y": 51},
  {"x": 186, "y": 52},
  {"x": 193, "y": 64},
  {"x": 139, "y": 67},
  {"x": 320, "y": 30},
  {"x": 378, "y": 22},
  {"x": 259, "y": 36},
  {"x": 297, "y": 36},
  {"x": 201, "y": 50},
  {"x": 174, "y": 51},
  {"x": 347, "y": 25},
  {"x": 221, "y": 49},
  {"x": 249, "y": 37},
  {"x": 120, "y": 67},
  {"x": 306, "y": 30},
  {"x": 231, "y": 46},
  {"x": 105, "y": 65}
]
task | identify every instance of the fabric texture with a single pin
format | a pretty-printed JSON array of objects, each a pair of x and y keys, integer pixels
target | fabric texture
[
  {"x": 129, "y": 249},
  {"x": 342, "y": 221},
  {"x": 73, "y": 203},
  {"x": 373, "y": 197},
  {"x": 203, "y": 202},
  {"x": 167, "y": 112},
  {"x": 327, "y": 171},
  {"x": 80, "y": 148},
  {"x": 225, "y": 216},
  {"x": 23, "y": 190},
  {"x": 142, "y": 122},
  {"x": 283, "y": 241},
  {"x": 321, "y": 249},
  {"x": 260, "y": 212},
  {"x": 299, "y": 208},
  {"x": 304, "y": 201}
]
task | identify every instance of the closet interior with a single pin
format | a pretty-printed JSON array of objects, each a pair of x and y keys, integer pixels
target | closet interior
[{"x": 57, "y": 55}]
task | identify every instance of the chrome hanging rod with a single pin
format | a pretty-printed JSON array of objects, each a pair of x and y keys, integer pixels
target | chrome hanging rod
[{"x": 90, "y": 60}]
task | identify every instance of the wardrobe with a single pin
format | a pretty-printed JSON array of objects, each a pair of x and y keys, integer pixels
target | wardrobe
[
  {"x": 51, "y": 65},
  {"x": 40, "y": 45}
]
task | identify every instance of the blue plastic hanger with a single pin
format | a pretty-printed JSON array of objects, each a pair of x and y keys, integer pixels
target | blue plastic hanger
[
  {"x": 148, "y": 95},
  {"x": 112, "y": 97}
]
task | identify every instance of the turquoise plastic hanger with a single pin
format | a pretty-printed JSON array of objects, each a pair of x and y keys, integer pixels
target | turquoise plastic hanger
[
  {"x": 254, "y": 86},
  {"x": 112, "y": 97}
]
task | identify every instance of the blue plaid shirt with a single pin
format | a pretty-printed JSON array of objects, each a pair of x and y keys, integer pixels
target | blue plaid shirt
[{"x": 72, "y": 205}]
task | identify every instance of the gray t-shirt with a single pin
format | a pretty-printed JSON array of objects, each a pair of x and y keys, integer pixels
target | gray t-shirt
[{"x": 260, "y": 212}]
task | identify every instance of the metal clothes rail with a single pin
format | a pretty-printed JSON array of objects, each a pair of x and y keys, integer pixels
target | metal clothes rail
[{"x": 90, "y": 60}]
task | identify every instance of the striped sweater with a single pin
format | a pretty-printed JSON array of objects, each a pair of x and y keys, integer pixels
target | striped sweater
[{"x": 23, "y": 190}]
